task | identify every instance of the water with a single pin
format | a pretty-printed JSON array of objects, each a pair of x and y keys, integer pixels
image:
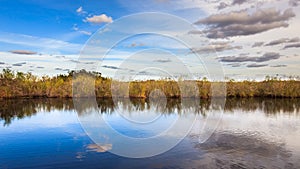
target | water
[{"x": 51, "y": 133}]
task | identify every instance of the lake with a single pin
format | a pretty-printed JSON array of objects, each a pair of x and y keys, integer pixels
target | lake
[{"x": 57, "y": 133}]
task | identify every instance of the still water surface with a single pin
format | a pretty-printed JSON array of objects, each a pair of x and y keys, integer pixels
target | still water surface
[{"x": 252, "y": 133}]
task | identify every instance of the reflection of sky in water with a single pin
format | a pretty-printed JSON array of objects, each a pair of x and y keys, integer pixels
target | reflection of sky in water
[
  {"x": 36, "y": 141},
  {"x": 134, "y": 139},
  {"x": 245, "y": 138},
  {"x": 140, "y": 130}
]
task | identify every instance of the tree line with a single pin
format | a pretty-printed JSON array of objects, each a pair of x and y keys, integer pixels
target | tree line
[{"x": 86, "y": 84}]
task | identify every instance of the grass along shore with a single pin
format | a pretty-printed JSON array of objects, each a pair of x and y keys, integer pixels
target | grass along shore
[{"x": 20, "y": 85}]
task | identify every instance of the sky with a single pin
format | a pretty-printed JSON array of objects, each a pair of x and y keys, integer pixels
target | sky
[{"x": 240, "y": 39}]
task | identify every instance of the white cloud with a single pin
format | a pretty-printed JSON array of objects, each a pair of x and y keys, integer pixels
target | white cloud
[
  {"x": 85, "y": 32},
  {"x": 44, "y": 64},
  {"x": 99, "y": 148},
  {"x": 99, "y": 19},
  {"x": 23, "y": 52},
  {"x": 241, "y": 23},
  {"x": 75, "y": 28},
  {"x": 79, "y": 10},
  {"x": 182, "y": 9},
  {"x": 41, "y": 44}
]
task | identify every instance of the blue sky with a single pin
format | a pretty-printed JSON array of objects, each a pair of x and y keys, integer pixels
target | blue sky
[
  {"x": 52, "y": 18},
  {"x": 250, "y": 39}
]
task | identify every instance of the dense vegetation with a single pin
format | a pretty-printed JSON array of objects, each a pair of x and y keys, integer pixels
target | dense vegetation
[{"x": 19, "y": 84}]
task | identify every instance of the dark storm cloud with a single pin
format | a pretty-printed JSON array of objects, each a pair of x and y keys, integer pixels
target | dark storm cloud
[
  {"x": 264, "y": 58},
  {"x": 244, "y": 54},
  {"x": 257, "y": 44},
  {"x": 2, "y": 63},
  {"x": 256, "y": 65},
  {"x": 19, "y": 64},
  {"x": 293, "y": 40},
  {"x": 16, "y": 64},
  {"x": 136, "y": 45},
  {"x": 243, "y": 17},
  {"x": 62, "y": 56},
  {"x": 283, "y": 40},
  {"x": 22, "y": 52},
  {"x": 235, "y": 64},
  {"x": 89, "y": 63},
  {"x": 222, "y": 5},
  {"x": 242, "y": 23},
  {"x": 74, "y": 61},
  {"x": 276, "y": 42},
  {"x": 162, "y": 60},
  {"x": 296, "y": 45},
  {"x": 217, "y": 46},
  {"x": 279, "y": 66},
  {"x": 238, "y": 2},
  {"x": 195, "y": 32},
  {"x": 110, "y": 67},
  {"x": 294, "y": 3}
]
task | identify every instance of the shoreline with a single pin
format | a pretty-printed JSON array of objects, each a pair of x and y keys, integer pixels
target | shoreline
[
  {"x": 84, "y": 84},
  {"x": 205, "y": 98}
]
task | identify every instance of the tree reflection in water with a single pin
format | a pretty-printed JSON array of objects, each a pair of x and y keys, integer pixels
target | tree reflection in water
[{"x": 20, "y": 108}]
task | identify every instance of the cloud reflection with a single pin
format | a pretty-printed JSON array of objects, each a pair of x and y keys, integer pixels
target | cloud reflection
[{"x": 99, "y": 148}]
